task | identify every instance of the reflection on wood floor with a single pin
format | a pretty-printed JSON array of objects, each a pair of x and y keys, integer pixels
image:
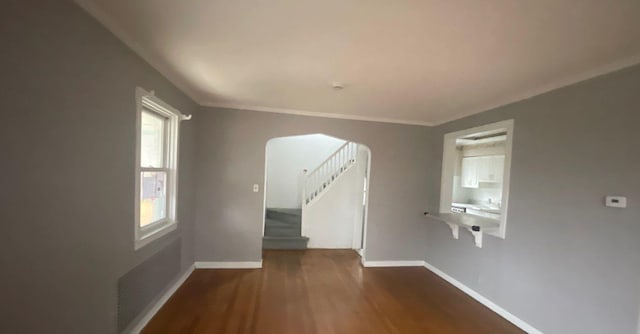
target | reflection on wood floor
[{"x": 322, "y": 291}]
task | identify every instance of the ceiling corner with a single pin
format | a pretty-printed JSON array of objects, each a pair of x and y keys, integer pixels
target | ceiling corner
[{"x": 110, "y": 24}]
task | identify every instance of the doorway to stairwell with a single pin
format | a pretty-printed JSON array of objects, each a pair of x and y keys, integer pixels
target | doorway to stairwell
[{"x": 316, "y": 193}]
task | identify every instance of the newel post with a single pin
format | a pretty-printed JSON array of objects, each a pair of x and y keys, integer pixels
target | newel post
[{"x": 304, "y": 187}]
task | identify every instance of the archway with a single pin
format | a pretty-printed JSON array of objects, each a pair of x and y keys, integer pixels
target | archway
[{"x": 320, "y": 182}]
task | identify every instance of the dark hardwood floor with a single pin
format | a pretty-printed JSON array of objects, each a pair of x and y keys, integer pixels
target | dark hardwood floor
[{"x": 322, "y": 291}]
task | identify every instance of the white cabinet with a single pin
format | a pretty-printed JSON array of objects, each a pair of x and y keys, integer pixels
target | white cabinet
[
  {"x": 469, "y": 175},
  {"x": 491, "y": 168},
  {"x": 482, "y": 169},
  {"x": 498, "y": 165}
]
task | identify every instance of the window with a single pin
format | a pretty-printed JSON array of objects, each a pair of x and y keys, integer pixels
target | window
[
  {"x": 156, "y": 168},
  {"x": 476, "y": 165}
]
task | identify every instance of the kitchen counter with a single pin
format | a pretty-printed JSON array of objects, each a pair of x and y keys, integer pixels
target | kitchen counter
[
  {"x": 480, "y": 207},
  {"x": 485, "y": 224}
]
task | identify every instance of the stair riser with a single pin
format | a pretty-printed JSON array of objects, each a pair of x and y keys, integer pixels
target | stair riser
[
  {"x": 284, "y": 217},
  {"x": 272, "y": 231},
  {"x": 284, "y": 244}
]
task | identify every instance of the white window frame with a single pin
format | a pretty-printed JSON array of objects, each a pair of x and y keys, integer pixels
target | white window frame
[
  {"x": 448, "y": 163},
  {"x": 147, "y": 101}
]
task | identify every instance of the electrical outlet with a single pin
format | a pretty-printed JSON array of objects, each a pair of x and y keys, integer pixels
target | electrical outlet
[{"x": 616, "y": 202}]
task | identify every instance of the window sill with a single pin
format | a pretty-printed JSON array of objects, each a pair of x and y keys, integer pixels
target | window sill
[
  {"x": 155, "y": 234},
  {"x": 475, "y": 224}
]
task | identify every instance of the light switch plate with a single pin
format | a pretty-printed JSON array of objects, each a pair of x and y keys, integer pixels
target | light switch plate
[
  {"x": 616, "y": 201},
  {"x": 256, "y": 188}
]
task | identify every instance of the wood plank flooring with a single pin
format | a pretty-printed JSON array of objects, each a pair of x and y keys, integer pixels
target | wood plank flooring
[{"x": 322, "y": 291}]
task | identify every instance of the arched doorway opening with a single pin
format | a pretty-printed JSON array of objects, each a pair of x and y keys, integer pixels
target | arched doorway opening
[{"x": 316, "y": 193}]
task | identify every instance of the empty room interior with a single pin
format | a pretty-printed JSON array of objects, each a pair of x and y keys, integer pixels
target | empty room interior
[{"x": 209, "y": 166}]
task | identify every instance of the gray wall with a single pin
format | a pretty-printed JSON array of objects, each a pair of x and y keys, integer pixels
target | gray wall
[
  {"x": 568, "y": 264},
  {"x": 67, "y": 132},
  {"x": 231, "y": 157}
]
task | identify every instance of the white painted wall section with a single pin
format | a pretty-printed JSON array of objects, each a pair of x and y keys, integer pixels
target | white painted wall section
[
  {"x": 360, "y": 192},
  {"x": 336, "y": 220},
  {"x": 329, "y": 222}
]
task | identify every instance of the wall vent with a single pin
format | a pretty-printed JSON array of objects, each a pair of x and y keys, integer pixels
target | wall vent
[{"x": 143, "y": 284}]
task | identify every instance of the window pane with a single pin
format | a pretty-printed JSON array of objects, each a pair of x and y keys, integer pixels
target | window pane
[
  {"x": 152, "y": 140},
  {"x": 153, "y": 201}
]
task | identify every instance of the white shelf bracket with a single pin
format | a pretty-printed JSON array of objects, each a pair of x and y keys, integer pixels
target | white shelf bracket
[
  {"x": 454, "y": 230},
  {"x": 477, "y": 226},
  {"x": 477, "y": 236}
]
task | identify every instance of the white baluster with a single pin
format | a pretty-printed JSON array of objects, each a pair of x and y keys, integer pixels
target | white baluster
[
  {"x": 353, "y": 151},
  {"x": 318, "y": 180},
  {"x": 331, "y": 168},
  {"x": 304, "y": 188}
]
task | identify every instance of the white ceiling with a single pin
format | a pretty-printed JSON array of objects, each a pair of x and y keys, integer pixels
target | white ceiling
[{"x": 418, "y": 62}]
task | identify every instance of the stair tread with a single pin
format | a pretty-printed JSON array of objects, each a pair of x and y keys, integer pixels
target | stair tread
[
  {"x": 294, "y": 212},
  {"x": 283, "y": 228},
  {"x": 286, "y": 238},
  {"x": 282, "y": 231}
]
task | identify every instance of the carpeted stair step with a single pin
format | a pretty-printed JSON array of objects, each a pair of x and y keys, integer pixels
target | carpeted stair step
[
  {"x": 276, "y": 228},
  {"x": 292, "y": 216},
  {"x": 284, "y": 242}
]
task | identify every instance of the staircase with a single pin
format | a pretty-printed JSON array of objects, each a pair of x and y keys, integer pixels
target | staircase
[
  {"x": 283, "y": 227},
  {"x": 319, "y": 180},
  {"x": 282, "y": 230}
]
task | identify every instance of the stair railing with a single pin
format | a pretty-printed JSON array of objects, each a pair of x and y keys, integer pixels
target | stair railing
[{"x": 318, "y": 180}]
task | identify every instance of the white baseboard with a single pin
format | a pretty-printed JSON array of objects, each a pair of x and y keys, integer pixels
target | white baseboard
[
  {"x": 229, "y": 265},
  {"x": 483, "y": 300},
  {"x": 392, "y": 263},
  {"x": 148, "y": 315},
  {"x": 144, "y": 320}
]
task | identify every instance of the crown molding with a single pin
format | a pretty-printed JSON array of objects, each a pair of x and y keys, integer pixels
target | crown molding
[
  {"x": 182, "y": 84},
  {"x": 315, "y": 114},
  {"x": 110, "y": 24},
  {"x": 568, "y": 81}
]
